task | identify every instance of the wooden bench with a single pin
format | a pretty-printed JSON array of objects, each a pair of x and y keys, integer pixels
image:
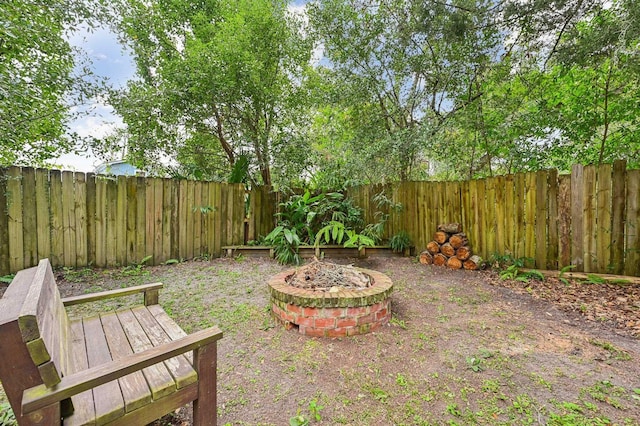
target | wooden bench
[{"x": 127, "y": 367}]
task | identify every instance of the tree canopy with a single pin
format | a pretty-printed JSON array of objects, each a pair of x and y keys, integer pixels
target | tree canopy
[{"x": 341, "y": 92}]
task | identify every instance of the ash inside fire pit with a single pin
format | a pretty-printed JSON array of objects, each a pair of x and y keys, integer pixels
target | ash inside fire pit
[{"x": 325, "y": 276}]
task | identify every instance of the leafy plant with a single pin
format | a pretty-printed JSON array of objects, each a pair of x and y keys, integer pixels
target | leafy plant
[
  {"x": 564, "y": 271},
  {"x": 594, "y": 279},
  {"x": 7, "y": 417},
  {"x": 400, "y": 242},
  {"x": 285, "y": 243},
  {"x": 136, "y": 268},
  {"x": 7, "y": 278},
  {"x": 314, "y": 410}
]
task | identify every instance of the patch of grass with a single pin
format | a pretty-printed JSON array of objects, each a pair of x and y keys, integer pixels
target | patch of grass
[
  {"x": 398, "y": 322},
  {"x": 616, "y": 353},
  {"x": 7, "y": 417}
]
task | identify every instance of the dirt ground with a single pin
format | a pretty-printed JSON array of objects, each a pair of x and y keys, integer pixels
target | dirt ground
[{"x": 462, "y": 348}]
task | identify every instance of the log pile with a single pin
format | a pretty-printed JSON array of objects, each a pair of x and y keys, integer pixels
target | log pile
[{"x": 450, "y": 247}]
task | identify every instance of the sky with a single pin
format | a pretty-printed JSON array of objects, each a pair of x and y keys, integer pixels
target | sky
[{"x": 110, "y": 59}]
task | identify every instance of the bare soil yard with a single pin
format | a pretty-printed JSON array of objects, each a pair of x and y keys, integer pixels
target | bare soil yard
[{"x": 462, "y": 348}]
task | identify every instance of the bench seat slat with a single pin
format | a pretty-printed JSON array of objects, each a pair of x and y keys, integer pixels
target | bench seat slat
[
  {"x": 169, "y": 326},
  {"x": 85, "y": 412},
  {"x": 160, "y": 381},
  {"x": 108, "y": 400},
  {"x": 179, "y": 367},
  {"x": 134, "y": 387}
]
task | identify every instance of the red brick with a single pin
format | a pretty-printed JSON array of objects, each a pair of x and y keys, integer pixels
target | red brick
[
  {"x": 346, "y": 322},
  {"x": 381, "y": 314},
  {"x": 311, "y": 312},
  {"x": 313, "y": 332},
  {"x": 356, "y": 312},
  {"x": 376, "y": 307},
  {"x": 366, "y": 319},
  {"x": 374, "y": 326},
  {"x": 305, "y": 321},
  {"x": 333, "y": 312},
  {"x": 337, "y": 332},
  {"x": 288, "y": 317},
  {"x": 325, "y": 322},
  {"x": 294, "y": 309}
]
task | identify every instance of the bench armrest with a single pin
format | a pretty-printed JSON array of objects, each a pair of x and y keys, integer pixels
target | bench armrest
[
  {"x": 41, "y": 396},
  {"x": 147, "y": 289}
]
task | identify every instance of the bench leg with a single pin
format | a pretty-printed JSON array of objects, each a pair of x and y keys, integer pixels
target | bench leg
[{"x": 205, "y": 408}]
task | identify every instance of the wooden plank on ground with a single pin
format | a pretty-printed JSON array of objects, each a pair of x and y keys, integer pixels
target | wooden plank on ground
[
  {"x": 530, "y": 217},
  {"x": 135, "y": 391},
  {"x": 43, "y": 214},
  {"x": 101, "y": 221},
  {"x": 132, "y": 215},
  {"x": 564, "y": 221},
  {"x": 603, "y": 219},
  {"x": 109, "y": 404},
  {"x": 577, "y": 220},
  {"x": 552, "y": 219},
  {"x": 80, "y": 211},
  {"x": 57, "y": 226},
  {"x": 632, "y": 255},
  {"x": 589, "y": 224},
  {"x": 541, "y": 233},
  {"x": 4, "y": 224},
  {"x": 68, "y": 219},
  {"x": 121, "y": 221},
  {"x": 619, "y": 204},
  {"x": 91, "y": 218},
  {"x": 29, "y": 217}
]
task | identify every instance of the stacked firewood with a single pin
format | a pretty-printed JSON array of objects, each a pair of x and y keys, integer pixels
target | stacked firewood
[{"x": 450, "y": 247}]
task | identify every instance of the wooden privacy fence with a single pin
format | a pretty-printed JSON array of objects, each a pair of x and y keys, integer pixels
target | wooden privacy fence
[
  {"x": 590, "y": 218},
  {"x": 79, "y": 219}
]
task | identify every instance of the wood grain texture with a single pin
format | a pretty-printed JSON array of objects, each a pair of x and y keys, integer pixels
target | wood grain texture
[
  {"x": 619, "y": 206},
  {"x": 4, "y": 225},
  {"x": 14, "y": 216},
  {"x": 43, "y": 214},
  {"x": 80, "y": 211},
  {"x": 29, "y": 215}
]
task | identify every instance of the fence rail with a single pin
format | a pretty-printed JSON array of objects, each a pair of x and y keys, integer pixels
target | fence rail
[{"x": 590, "y": 218}]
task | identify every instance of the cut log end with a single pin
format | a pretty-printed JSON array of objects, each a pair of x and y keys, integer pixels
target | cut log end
[
  {"x": 473, "y": 263},
  {"x": 426, "y": 258},
  {"x": 447, "y": 249},
  {"x": 458, "y": 240},
  {"x": 441, "y": 237},
  {"x": 439, "y": 259},
  {"x": 451, "y": 228},
  {"x": 433, "y": 247},
  {"x": 463, "y": 253},
  {"x": 454, "y": 263}
]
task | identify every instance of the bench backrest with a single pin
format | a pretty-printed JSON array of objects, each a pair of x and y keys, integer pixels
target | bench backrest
[{"x": 33, "y": 333}]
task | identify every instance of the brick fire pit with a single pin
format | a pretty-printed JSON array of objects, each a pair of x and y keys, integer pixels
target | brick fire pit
[{"x": 332, "y": 314}]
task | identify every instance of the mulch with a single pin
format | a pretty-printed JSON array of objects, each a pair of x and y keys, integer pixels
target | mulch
[{"x": 617, "y": 305}]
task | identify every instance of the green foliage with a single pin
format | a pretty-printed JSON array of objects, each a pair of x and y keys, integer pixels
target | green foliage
[
  {"x": 594, "y": 279},
  {"x": 285, "y": 242},
  {"x": 7, "y": 417},
  {"x": 400, "y": 242},
  {"x": 136, "y": 269},
  {"x": 7, "y": 278},
  {"x": 314, "y": 413},
  {"x": 563, "y": 271}
]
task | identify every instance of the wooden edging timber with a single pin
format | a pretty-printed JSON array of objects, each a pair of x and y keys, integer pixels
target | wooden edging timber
[{"x": 585, "y": 276}]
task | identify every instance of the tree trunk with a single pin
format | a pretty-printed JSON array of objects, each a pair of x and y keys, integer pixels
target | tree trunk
[
  {"x": 454, "y": 263},
  {"x": 433, "y": 247},
  {"x": 458, "y": 240},
  {"x": 439, "y": 259},
  {"x": 451, "y": 228},
  {"x": 463, "y": 253},
  {"x": 426, "y": 258},
  {"x": 440, "y": 237},
  {"x": 448, "y": 250},
  {"x": 473, "y": 263}
]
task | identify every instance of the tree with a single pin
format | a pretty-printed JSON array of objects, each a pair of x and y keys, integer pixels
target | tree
[
  {"x": 218, "y": 80},
  {"x": 39, "y": 81}
]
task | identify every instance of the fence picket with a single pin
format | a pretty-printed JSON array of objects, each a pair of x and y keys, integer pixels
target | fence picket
[
  {"x": 43, "y": 216},
  {"x": 632, "y": 255}
]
